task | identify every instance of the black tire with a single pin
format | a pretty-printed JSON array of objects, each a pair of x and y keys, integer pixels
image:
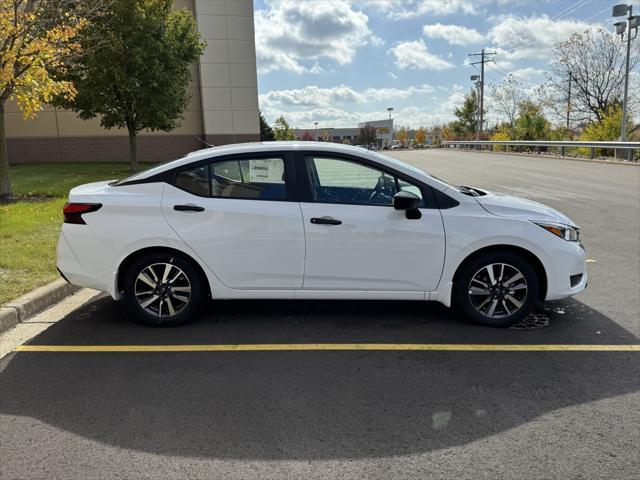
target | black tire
[
  {"x": 463, "y": 300},
  {"x": 187, "y": 276}
]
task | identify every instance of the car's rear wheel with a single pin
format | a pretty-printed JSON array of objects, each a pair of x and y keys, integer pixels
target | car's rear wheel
[
  {"x": 498, "y": 289},
  {"x": 163, "y": 290}
]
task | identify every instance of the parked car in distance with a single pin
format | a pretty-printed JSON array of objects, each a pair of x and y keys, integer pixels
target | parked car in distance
[{"x": 307, "y": 220}]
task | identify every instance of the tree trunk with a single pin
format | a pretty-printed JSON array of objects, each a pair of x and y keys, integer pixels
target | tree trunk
[
  {"x": 5, "y": 182},
  {"x": 133, "y": 148}
]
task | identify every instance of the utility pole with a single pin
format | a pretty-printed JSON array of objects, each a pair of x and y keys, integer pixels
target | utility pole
[
  {"x": 476, "y": 78},
  {"x": 483, "y": 59},
  {"x": 569, "y": 101}
]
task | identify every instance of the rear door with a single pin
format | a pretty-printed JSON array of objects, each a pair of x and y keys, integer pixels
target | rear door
[
  {"x": 355, "y": 239},
  {"x": 241, "y": 216}
]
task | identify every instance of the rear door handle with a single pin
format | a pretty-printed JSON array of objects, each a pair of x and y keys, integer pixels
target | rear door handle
[
  {"x": 188, "y": 208},
  {"x": 326, "y": 221}
]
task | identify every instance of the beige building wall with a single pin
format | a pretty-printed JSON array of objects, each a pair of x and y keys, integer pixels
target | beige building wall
[
  {"x": 223, "y": 107},
  {"x": 228, "y": 70}
]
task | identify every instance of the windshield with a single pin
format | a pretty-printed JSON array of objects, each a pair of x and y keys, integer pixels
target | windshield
[{"x": 415, "y": 169}]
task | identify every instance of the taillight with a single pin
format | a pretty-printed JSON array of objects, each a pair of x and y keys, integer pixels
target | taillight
[{"x": 73, "y": 211}]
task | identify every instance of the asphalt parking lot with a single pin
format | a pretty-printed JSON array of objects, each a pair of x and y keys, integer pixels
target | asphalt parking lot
[{"x": 354, "y": 414}]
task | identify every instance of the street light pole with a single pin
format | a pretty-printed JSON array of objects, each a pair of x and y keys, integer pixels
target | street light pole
[
  {"x": 390, "y": 109},
  {"x": 623, "y": 134},
  {"x": 316, "y": 124},
  {"x": 622, "y": 10}
]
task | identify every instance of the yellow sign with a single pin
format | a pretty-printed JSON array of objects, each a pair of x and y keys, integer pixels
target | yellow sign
[{"x": 383, "y": 130}]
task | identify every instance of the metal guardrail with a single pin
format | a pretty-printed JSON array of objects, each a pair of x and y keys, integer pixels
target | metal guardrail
[
  {"x": 627, "y": 147},
  {"x": 545, "y": 143}
]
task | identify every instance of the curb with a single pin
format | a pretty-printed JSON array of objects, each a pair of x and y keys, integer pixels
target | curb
[{"x": 34, "y": 302}]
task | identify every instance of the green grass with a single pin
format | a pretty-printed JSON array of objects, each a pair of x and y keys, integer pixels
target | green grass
[
  {"x": 57, "y": 179},
  {"x": 29, "y": 227}
]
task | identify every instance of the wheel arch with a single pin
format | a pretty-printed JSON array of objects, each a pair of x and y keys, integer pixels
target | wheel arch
[
  {"x": 505, "y": 248},
  {"x": 126, "y": 263}
]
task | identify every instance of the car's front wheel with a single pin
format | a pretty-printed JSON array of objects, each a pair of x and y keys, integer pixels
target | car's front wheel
[
  {"x": 163, "y": 290},
  {"x": 498, "y": 289}
]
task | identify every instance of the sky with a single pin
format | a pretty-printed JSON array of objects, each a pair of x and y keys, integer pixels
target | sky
[{"x": 340, "y": 62}]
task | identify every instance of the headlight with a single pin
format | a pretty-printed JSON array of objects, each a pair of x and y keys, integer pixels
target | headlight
[{"x": 566, "y": 232}]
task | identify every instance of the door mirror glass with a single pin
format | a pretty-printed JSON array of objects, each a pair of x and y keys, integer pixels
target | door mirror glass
[{"x": 404, "y": 200}]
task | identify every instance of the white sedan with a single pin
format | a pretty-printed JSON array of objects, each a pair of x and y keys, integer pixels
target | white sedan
[{"x": 305, "y": 220}]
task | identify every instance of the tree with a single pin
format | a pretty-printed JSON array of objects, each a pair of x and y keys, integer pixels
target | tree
[
  {"x": 368, "y": 135},
  {"x": 282, "y": 130},
  {"x": 421, "y": 136},
  {"x": 324, "y": 136},
  {"x": 530, "y": 124},
  {"x": 467, "y": 114},
  {"x": 503, "y": 133},
  {"x": 402, "y": 135},
  {"x": 36, "y": 37},
  {"x": 608, "y": 128},
  {"x": 595, "y": 60},
  {"x": 136, "y": 67},
  {"x": 266, "y": 132},
  {"x": 307, "y": 136},
  {"x": 506, "y": 96}
]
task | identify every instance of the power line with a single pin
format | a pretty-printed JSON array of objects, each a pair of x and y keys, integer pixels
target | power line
[
  {"x": 504, "y": 73},
  {"x": 563, "y": 13}
]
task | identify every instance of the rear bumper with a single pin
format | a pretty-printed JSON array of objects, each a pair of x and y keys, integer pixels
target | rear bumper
[{"x": 83, "y": 260}]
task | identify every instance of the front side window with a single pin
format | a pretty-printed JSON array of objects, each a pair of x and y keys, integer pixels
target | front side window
[
  {"x": 252, "y": 179},
  {"x": 342, "y": 181}
]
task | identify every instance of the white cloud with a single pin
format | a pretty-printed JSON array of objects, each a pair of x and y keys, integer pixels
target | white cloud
[
  {"x": 290, "y": 33},
  {"x": 340, "y": 95},
  {"x": 520, "y": 38},
  {"x": 528, "y": 74},
  {"x": 415, "y": 55},
  {"x": 335, "y": 117},
  {"x": 392, "y": 75},
  {"x": 453, "y": 34},
  {"x": 456, "y": 97},
  {"x": 402, "y": 9}
]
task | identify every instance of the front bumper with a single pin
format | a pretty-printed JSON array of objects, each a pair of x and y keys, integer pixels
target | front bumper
[{"x": 568, "y": 259}]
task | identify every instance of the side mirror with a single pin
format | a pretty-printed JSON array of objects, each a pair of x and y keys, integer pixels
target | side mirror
[{"x": 408, "y": 202}]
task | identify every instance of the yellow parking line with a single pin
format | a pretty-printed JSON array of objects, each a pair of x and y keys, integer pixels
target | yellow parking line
[{"x": 457, "y": 347}]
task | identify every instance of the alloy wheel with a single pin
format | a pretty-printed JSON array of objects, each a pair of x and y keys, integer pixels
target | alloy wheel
[
  {"x": 162, "y": 290},
  {"x": 498, "y": 290}
]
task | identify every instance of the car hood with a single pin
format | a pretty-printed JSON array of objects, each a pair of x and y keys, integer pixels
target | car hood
[{"x": 516, "y": 207}]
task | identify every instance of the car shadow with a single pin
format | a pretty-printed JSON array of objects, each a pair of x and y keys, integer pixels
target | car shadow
[{"x": 311, "y": 404}]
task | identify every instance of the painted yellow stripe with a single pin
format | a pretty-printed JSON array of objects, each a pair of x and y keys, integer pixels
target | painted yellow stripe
[{"x": 458, "y": 347}]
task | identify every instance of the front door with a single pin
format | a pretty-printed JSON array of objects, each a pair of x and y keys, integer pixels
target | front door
[
  {"x": 356, "y": 240},
  {"x": 240, "y": 218}
]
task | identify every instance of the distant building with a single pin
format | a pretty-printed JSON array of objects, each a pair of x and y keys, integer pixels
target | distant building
[
  {"x": 223, "y": 108},
  {"x": 350, "y": 134}
]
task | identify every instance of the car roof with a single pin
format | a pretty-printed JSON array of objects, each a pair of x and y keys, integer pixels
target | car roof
[{"x": 279, "y": 146}]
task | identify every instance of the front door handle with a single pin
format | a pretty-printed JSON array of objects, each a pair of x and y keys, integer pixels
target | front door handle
[
  {"x": 188, "y": 208},
  {"x": 326, "y": 221}
]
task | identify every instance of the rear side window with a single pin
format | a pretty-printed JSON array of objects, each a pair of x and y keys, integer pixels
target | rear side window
[
  {"x": 251, "y": 179},
  {"x": 195, "y": 180}
]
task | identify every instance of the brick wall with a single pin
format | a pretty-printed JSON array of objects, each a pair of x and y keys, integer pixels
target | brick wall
[{"x": 151, "y": 148}]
